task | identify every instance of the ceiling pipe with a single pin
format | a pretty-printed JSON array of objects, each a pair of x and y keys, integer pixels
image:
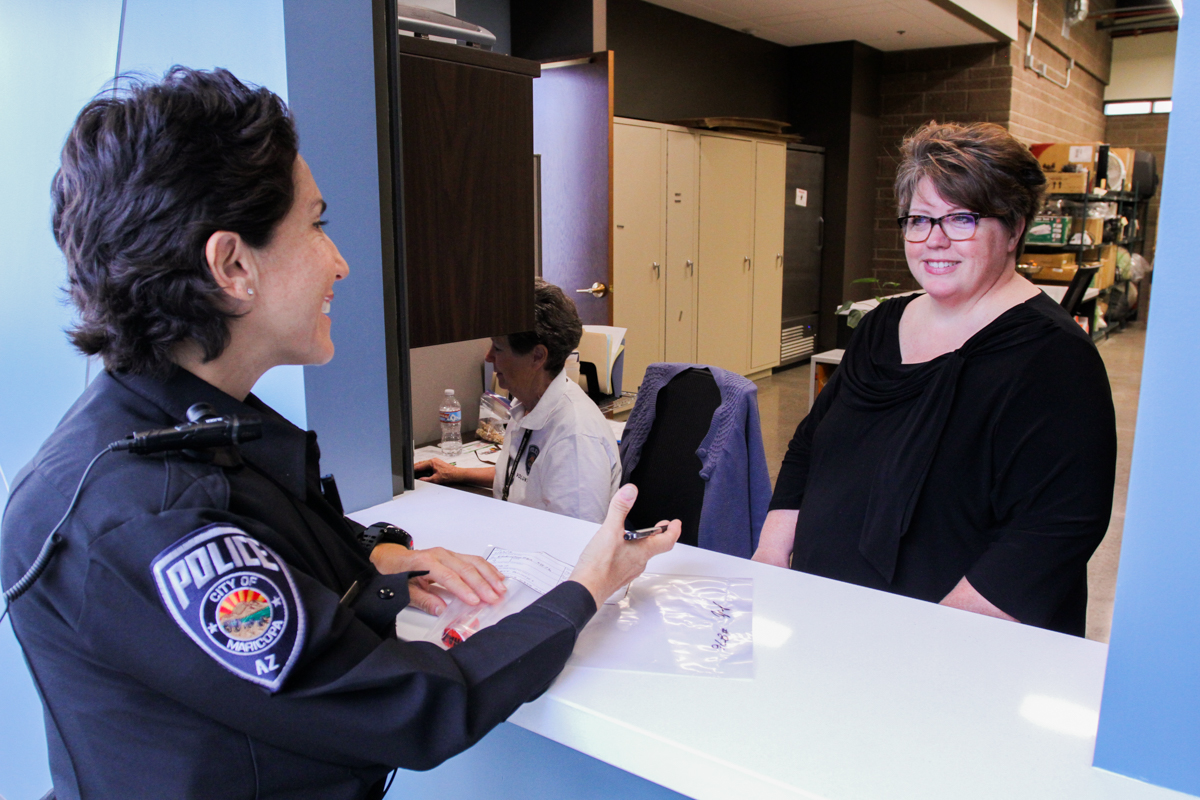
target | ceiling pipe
[{"x": 1041, "y": 69}]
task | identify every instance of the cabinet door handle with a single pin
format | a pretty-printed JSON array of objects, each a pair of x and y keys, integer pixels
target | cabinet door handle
[
  {"x": 747, "y": 264},
  {"x": 691, "y": 267},
  {"x": 657, "y": 270},
  {"x": 778, "y": 260},
  {"x": 597, "y": 289}
]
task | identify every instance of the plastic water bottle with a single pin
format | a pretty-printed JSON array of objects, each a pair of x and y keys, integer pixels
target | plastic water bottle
[{"x": 450, "y": 415}]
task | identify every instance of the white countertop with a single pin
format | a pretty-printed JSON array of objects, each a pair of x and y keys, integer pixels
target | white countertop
[{"x": 857, "y": 695}]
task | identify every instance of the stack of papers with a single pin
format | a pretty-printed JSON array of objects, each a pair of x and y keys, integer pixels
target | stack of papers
[{"x": 474, "y": 454}]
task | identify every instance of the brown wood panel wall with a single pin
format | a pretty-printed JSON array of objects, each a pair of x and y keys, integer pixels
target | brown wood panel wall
[{"x": 468, "y": 200}]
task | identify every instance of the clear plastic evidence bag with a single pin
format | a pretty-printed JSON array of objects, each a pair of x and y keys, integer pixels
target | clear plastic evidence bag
[{"x": 674, "y": 624}]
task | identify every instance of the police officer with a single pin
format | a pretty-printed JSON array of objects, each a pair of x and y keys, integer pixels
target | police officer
[{"x": 210, "y": 624}]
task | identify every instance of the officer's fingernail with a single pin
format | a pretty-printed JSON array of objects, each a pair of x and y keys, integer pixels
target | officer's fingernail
[{"x": 627, "y": 492}]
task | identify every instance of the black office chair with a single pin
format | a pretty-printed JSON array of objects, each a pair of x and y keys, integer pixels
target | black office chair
[
  {"x": 668, "y": 472},
  {"x": 1079, "y": 286}
]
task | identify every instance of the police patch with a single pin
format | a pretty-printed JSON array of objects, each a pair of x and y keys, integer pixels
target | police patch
[
  {"x": 236, "y": 599},
  {"x": 531, "y": 457}
]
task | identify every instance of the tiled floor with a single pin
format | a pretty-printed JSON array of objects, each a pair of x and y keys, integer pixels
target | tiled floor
[{"x": 783, "y": 402}]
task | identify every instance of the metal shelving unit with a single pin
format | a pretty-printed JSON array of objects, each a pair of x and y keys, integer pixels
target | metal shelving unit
[{"x": 1130, "y": 206}]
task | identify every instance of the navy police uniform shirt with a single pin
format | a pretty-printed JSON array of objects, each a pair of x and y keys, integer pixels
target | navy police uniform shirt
[{"x": 190, "y": 640}]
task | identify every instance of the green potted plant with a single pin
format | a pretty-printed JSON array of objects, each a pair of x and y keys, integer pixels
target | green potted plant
[{"x": 882, "y": 288}]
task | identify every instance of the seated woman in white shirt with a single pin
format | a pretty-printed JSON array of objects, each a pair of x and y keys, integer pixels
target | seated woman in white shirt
[{"x": 559, "y": 453}]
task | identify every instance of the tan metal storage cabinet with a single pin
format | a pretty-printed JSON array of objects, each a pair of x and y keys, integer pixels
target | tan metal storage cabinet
[
  {"x": 698, "y": 244},
  {"x": 639, "y": 212},
  {"x": 683, "y": 185},
  {"x": 770, "y": 179},
  {"x": 726, "y": 252}
]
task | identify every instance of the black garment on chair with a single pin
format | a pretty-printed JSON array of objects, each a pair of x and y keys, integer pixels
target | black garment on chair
[{"x": 668, "y": 473}]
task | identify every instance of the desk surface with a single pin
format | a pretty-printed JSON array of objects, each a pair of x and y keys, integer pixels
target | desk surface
[
  {"x": 1059, "y": 291},
  {"x": 857, "y": 694}
]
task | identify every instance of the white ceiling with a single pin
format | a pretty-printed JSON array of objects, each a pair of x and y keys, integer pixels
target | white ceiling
[{"x": 873, "y": 22}]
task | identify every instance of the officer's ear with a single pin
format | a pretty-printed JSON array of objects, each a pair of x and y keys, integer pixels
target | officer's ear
[{"x": 231, "y": 265}]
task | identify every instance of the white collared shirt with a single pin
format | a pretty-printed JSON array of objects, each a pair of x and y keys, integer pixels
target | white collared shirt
[{"x": 571, "y": 464}]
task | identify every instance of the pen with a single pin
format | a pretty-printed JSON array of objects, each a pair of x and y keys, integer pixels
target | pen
[{"x": 644, "y": 532}]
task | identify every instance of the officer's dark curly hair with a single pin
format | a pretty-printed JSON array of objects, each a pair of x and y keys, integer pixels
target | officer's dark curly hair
[
  {"x": 980, "y": 167},
  {"x": 555, "y": 324},
  {"x": 148, "y": 174}
]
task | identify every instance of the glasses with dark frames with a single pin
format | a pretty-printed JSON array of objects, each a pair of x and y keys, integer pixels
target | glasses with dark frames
[{"x": 958, "y": 226}]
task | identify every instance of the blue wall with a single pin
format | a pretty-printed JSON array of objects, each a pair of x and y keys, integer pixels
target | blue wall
[
  {"x": 331, "y": 70},
  {"x": 1150, "y": 717},
  {"x": 514, "y": 764},
  {"x": 246, "y": 38},
  {"x": 54, "y": 56}
]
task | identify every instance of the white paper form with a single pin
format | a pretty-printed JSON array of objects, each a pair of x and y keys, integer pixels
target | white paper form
[
  {"x": 527, "y": 576},
  {"x": 539, "y": 571}
]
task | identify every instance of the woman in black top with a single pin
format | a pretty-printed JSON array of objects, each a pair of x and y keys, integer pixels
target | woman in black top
[{"x": 964, "y": 451}]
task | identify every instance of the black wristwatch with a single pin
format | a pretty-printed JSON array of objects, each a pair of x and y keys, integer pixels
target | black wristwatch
[{"x": 384, "y": 533}]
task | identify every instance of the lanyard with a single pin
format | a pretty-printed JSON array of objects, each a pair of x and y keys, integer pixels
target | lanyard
[{"x": 510, "y": 469}]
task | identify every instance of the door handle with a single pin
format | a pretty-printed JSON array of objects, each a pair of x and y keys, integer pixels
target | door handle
[
  {"x": 691, "y": 267},
  {"x": 778, "y": 260},
  {"x": 657, "y": 270},
  {"x": 747, "y": 264},
  {"x": 597, "y": 289}
]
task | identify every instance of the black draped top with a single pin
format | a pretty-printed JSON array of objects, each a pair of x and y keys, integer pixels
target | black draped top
[{"x": 995, "y": 462}]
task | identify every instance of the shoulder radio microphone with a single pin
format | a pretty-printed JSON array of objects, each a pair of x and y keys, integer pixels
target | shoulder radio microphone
[
  {"x": 204, "y": 434},
  {"x": 204, "y": 430}
]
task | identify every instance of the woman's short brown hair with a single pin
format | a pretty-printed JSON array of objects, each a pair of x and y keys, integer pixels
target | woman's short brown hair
[
  {"x": 148, "y": 173},
  {"x": 556, "y": 325},
  {"x": 979, "y": 167}
]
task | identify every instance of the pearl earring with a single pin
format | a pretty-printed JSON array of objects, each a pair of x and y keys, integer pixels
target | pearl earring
[{"x": 250, "y": 292}]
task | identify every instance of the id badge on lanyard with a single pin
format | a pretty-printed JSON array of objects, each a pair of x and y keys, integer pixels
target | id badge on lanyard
[{"x": 510, "y": 470}]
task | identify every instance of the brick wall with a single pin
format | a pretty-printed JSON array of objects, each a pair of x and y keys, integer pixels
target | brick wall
[
  {"x": 947, "y": 84},
  {"x": 987, "y": 83},
  {"x": 1043, "y": 112},
  {"x": 1143, "y": 132}
]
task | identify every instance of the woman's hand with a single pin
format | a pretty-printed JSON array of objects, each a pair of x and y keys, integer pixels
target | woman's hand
[
  {"x": 968, "y": 598},
  {"x": 469, "y": 578},
  {"x": 437, "y": 471},
  {"x": 609, "y": 561},
  {"x": 775, "y": 541}
]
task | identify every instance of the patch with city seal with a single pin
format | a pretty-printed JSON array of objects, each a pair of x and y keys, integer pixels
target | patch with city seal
[{"x": 236, "y": 599}]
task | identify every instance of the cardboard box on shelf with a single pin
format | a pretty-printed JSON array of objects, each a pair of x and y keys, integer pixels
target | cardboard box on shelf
[
  {"x": 1056, "y": 156},
  {"x": 1049, "y": 259},
  {"x": 1049, "y": 230},
  {"x": 1108, "y": 267},
  {"x": 1067, "y": 182},
  {"x": 1055, "y": 267},
  {"x": 1093, "y": 227},
  {"x": 1062, "y": 274}
]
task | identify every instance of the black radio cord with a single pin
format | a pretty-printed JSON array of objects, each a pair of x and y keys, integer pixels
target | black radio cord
[
  {"x": 52, "y": 541},
  {"x": 204, "y": 429}
]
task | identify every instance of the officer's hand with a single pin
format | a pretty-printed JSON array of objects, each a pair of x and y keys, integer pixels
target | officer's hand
[
  {"x": 435, "y": 470},
  {"x": 470, "y": 578},
  {"x": 609, "y": 561}
]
